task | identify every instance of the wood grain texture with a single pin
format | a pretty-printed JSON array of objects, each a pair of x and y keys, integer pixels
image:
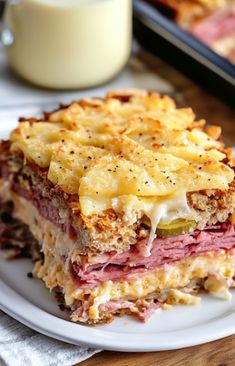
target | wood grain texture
[
  {"x": 218, "y": 353},
  {"x": 221, "y": 352}
]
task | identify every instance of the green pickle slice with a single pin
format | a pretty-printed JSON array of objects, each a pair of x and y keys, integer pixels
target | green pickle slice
[{"x": 175, "y": 228}]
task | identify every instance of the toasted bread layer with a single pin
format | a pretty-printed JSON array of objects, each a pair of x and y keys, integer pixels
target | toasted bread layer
[{"x": 95, "y": 182}]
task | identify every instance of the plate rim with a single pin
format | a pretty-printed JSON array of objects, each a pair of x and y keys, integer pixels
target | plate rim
[{"x": 50, "y": 325}]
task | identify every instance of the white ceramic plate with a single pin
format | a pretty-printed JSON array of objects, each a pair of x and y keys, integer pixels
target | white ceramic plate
[{"x": 28, "y": 301}]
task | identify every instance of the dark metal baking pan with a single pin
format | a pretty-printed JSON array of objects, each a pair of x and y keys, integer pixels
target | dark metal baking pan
[{"x": 163, "y": 37}]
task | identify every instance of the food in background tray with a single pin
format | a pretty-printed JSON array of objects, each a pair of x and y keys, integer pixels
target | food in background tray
[{"x": 212, "y": 21}]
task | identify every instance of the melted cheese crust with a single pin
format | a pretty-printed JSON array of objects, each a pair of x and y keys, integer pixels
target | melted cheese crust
[{"x": 129, "y": 144}]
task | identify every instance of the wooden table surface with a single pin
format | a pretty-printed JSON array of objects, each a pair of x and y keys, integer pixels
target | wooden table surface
[{"x": 217, "y": 353}]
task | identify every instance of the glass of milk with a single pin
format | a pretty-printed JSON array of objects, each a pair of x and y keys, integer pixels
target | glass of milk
[{"x": 66, "y": 44}]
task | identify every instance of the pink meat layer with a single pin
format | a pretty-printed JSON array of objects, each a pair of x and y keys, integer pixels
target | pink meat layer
[
  {"x": 127, "y": 265},
  {"x": 216, "y": 27},
  {"x": 80, "y": 309}
]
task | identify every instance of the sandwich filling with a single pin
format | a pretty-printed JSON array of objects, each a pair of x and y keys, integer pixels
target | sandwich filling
[{"x": 124, "y": 203}]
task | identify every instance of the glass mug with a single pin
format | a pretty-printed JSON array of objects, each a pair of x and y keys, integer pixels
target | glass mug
[{"x": 66, "y": 44}]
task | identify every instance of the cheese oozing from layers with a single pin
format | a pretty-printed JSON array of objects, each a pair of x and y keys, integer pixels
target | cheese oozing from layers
[
  {"x": 159, "y": 210},
  {"x": 135, "y": 157},
  {"x": 60, "y": 243},
  {"x": 167, "y": 281}
]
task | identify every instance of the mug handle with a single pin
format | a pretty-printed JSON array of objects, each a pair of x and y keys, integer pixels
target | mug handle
[
  {"x": 6, "y": 36},
  {"x": 2, "y": 8}
]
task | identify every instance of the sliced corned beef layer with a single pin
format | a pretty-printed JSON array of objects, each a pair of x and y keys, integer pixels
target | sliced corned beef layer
[
  {"x": 218, "y": 32},
  {"x": 126, "y": 265},
  {"x": 48, "y": 200},
  {"x": 15, "y": 235},
  {"x": 143, "y": 312},
  {"x": 215, "y": 27}
]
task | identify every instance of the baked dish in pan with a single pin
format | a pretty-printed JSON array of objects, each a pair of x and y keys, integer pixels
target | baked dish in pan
[{"x": 212, "y": 21}]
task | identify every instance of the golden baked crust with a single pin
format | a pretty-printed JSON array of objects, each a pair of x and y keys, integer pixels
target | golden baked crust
[
  {"x": 120, "y": 158},
  {"x": 129, "y": 143}
]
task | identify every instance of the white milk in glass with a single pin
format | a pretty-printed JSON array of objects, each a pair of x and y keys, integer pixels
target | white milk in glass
[{"x": 69, "y": 43}]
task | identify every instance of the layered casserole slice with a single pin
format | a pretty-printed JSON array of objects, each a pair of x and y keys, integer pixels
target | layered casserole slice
[{"x": 124, "y": 203}]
